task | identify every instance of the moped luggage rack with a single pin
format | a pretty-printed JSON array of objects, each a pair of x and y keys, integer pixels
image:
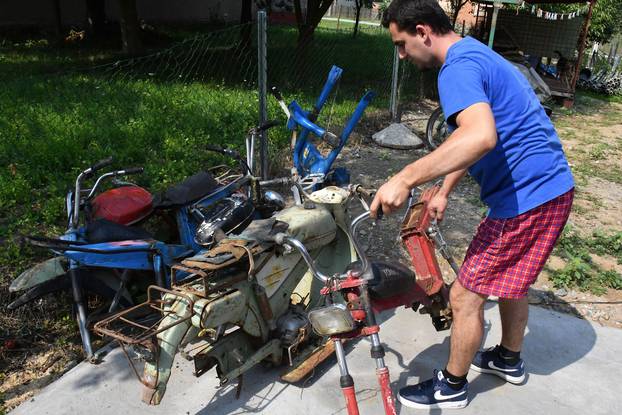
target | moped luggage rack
[{"x": 139, "y": 325}]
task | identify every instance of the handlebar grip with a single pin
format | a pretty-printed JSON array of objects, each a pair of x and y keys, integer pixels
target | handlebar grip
[
  {"x": 276, "y": 93},
  {"x": 280, "y": 180},
  {"x": 267, "y": 125},
  {"x": 214, "y": 148},
  {"x": 132, "y": 170},
  {"x": 379, "y": 213},
  {"x": 224, "y": 151},
  {"x": 100, "y": 164}
]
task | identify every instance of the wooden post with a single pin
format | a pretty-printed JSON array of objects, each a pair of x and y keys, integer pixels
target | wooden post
[
  {"x": 493, "y": 25},
  {"x": 582, "y": 37},
  {"x": 338, "y": 16}
]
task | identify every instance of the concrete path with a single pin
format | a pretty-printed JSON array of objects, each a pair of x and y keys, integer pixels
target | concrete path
[{"x": 573, "y": 368}]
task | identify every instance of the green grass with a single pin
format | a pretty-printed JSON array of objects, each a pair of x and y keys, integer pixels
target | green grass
[
  {"x": 158, "y": 112},
  {"x": 343, "y": 25},
  {"x": 602, "y": 97}
]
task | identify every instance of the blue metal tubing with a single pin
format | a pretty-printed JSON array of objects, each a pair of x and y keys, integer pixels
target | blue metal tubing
[
  {"x": 138, "y": 255},
  {"x": 331, "y": 81},
  {"x": 307, "y": 158},
  {"x": 324, "y": 164}
]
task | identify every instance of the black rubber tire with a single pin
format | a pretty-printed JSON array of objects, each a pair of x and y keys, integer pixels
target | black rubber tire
[{"x": 435, "y": 130}]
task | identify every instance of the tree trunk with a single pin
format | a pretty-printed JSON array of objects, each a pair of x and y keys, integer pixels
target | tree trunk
[
  {"x": 58, "y": 24},
  {"x": 246, "y": 17},
  {"x": 130, "y": 31},
  {"x": 358, "y": 4},
  {"x": 307, "y": 24},
  {"x": 457, "y": 6},
  {"x": 96, "y": 17}
]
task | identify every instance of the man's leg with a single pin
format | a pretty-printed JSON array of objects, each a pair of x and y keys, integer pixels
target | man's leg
[
  {"x": 514, "y": 315},
  {"x": 504, "y": 360},
  {"x": 449, "y": 388},
  {"x": 467, "y": 328}
]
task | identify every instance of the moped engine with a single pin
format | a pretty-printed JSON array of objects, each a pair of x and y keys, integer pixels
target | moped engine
[{"x": 230, "y": 214}]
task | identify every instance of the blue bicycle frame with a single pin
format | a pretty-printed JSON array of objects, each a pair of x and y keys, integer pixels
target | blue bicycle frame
[{"x": 307, "y": 158}]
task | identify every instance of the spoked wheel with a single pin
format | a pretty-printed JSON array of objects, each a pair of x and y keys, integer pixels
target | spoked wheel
[{"x": 436, "y": 130}]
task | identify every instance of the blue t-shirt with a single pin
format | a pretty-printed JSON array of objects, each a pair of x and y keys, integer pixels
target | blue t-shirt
[{"x": 527, "y": 167}]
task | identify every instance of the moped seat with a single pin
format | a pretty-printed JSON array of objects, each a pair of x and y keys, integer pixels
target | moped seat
[
  {"x": 103, "y": 230},
  {"x": 190, "y": 190},
  {"x": 390, "y": 279}
]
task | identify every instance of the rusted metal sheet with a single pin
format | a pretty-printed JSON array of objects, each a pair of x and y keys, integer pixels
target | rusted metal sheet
[{"x": 419, "y": 245}]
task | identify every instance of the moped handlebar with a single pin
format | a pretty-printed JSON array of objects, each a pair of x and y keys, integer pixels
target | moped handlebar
[
  {"x": 267, "y": 125},
  {"x": 233, "y": 154},
  {"x": 277, "y": 181},
  {"x": 131, "y": 170},
  {"x": 123, "y": 172},
  {"x": 99, "y": 165},
  {"x": 284, "y": 239}
]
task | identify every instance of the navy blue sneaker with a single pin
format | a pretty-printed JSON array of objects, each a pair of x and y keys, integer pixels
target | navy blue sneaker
[
  {"x": 489, "y": 361},
  {"x": 434, "y": 393}
]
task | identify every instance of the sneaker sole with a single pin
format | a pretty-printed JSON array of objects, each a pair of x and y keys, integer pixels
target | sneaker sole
[
  {"x": 440, "y": 405},
  {"x": 509, "y": 378}
]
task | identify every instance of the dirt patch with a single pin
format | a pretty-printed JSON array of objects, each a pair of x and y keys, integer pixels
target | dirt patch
[{"x": 598, "y": 202}]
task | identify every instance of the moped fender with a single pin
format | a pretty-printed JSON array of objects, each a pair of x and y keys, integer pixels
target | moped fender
[{"x": 40, "y": 273}]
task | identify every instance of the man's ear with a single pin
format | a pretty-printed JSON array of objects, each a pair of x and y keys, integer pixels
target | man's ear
[{"x": 423, "y": 31}]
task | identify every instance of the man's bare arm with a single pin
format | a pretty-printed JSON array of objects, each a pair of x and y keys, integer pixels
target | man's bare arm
[
  {"x": 451, "y": 180},
  {"x": 475, "y": 136}
]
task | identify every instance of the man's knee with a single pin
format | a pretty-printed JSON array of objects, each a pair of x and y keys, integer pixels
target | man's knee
[{"x": 464, "y": 301}]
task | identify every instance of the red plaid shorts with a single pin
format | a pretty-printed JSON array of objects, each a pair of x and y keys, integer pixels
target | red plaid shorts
[{"x": 506, "y": 255}]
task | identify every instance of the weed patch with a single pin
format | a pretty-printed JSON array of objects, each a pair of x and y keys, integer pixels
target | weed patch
[{"x": 580, "y": 271}]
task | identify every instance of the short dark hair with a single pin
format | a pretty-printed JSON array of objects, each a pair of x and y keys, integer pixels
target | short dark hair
[{"x": 407, "y": 14}]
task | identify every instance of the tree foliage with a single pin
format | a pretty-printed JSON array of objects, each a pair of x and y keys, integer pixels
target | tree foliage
[{"x": 606, "y": 18}]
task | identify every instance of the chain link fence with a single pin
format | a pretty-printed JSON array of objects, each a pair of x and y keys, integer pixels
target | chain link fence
[{"x": 161, "y": 110}]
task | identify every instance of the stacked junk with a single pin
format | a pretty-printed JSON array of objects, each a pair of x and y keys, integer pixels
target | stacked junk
[{"x": 284, "y": 284}]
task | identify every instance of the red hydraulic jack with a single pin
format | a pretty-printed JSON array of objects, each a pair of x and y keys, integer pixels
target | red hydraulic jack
[{"x": 391, "y": 286}]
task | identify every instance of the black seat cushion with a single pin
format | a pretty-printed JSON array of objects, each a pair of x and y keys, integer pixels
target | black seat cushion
[
  {"x": 103, "y": 230},
  {"x": 387, "y": 279},
  {"x": 191, "y": 189}
]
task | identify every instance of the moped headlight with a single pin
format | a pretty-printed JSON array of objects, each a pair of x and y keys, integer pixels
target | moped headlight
[{"x": 332, "y": 319}]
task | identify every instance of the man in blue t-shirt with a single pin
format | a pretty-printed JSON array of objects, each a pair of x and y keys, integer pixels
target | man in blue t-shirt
[{"x": 502, "y": 136}]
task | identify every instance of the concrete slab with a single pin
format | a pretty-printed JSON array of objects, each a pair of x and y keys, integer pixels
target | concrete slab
[
  {"x": 571, "y": 367},
  {"x": 397, "y": 136}
]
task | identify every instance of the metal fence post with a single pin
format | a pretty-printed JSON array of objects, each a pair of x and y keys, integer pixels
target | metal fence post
[
  {"x": 393, "y": 104},
  {"x": 262, "y": 78}
]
